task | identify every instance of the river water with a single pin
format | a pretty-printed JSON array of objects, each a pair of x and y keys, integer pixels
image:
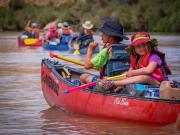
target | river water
[{"x": 23, "y": 109}]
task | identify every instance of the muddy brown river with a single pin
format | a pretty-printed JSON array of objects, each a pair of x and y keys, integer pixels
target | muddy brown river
[{"x": 23, "y": 109}]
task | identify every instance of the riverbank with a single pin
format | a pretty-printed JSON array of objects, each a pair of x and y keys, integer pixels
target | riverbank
[{"x": 135, "y": 15}]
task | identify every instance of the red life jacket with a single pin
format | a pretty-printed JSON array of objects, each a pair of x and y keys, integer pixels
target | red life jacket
[
  {"x": 35, "y": 31},
  {"x": 158, "y": 73},
  {"x": 66, "y": 31}
]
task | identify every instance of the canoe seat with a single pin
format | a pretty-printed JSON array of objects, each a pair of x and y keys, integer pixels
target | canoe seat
[{"x": 65, "y": 73}]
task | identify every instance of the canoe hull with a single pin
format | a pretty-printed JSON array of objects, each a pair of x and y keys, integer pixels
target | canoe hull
[
  {"x": 61, "y": 47},
  {"x": 103, "y": 105},
  {"x": 22, "y": 43}
]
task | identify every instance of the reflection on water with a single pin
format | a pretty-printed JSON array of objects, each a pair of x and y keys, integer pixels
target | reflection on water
[
  {"x": 58, "y": 121},
  {"x": 23, "y": 109}
]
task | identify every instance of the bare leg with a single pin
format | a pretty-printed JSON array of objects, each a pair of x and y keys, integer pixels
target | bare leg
[
  {"x": 167, "y": 92},
  {"x": 137, "y": 79},
  {"x": 86, "y": 78}
]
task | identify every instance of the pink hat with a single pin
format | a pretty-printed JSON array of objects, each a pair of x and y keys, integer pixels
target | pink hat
[
  {"x": 52, "y": 28},
  {"x": 139, "y": 38}
]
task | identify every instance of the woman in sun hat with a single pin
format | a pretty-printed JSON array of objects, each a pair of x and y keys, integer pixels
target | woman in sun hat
[
  {"x": 148, "y": 64},
  {"x": 87, "y": 25},
  {"x": 66, "y": 30},
  {"x": 86, "y": 35},
  {"x": 35, "y": 30},
  {"x": 112, "y": 33}
]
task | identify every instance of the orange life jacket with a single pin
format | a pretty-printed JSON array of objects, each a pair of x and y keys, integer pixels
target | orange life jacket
[
  {"x": 66, "y": 31},
  {"x": 143, "y": 62}
]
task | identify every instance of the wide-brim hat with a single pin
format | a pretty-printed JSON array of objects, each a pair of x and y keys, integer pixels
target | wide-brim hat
[
  {"x": 113, "y": 28},
  {"x": 87, "y": 25},
  {"x": 66, "y": 24},
  {"x": 140, "y": 38},
  {"x": 60, "y": 25}
]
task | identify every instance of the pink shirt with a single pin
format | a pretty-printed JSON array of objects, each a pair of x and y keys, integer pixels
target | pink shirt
[{"x": 51, "y": 35}]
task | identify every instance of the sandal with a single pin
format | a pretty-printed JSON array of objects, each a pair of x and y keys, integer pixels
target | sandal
[{"x": 103, "y": 85}]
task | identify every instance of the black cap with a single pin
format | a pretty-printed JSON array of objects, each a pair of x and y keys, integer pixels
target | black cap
[{"x": 113, "y": 28}]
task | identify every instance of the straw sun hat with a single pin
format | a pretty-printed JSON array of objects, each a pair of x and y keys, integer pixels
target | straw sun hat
[{"x": 87, "y": 25}]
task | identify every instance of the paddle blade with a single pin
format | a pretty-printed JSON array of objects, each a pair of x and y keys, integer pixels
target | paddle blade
[
  {"x": 52, "y": 55},
  {"x": 66, "y": 91},
  {"x": 30, "y": 41},
  {"x": 76, "y": 52}
]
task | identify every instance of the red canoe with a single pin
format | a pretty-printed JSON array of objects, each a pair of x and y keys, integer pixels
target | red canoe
[
  {"x": 29, "y": 42},
  {"x": 118, "y": 106}
]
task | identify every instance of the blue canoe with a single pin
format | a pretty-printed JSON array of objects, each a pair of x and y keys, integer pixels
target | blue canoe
[
  {"x": 60, "y": 47},
  {"x": 63, "y": 46}
]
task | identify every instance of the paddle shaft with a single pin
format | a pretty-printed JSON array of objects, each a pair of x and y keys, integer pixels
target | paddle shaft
[
  {"x": 80, "y": 87},
  {"x": 67, "y": 59},
  {"x": 91, "y": 84}
]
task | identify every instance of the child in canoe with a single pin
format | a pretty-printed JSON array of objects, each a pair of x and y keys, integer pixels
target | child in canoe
[
  {"x": 112, "y": 33},
  {"x": 148, "y": 64},
  {"x": 53, "y": 35},
  {"x": 31, "y": 30},
  {"x": 66, "y": 29}
]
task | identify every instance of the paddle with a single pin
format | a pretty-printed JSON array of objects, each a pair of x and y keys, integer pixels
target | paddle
[
  {"x": 76, "y": 48},
  {"x": 91, "y": 84},
  {"x": 52, "y": 55}
]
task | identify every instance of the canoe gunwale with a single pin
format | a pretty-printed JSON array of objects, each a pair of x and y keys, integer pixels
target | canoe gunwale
[{"x": 59, "y": 47}]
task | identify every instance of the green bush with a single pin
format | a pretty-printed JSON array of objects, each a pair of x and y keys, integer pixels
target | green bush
[
  {"x": 135, "y": 15},
  {"x": 16, "y": 4}
]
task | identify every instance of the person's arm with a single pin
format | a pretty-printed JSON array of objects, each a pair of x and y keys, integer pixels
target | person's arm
[
  {"x": 28, "y": 26},
  {"x": 56, "y": 21},
  {"x": 143, "y": 71},
  {"x": 88, "y": 63},
  {"x": 154, "y": 60},
  {"x": 81, "y": 34}
]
